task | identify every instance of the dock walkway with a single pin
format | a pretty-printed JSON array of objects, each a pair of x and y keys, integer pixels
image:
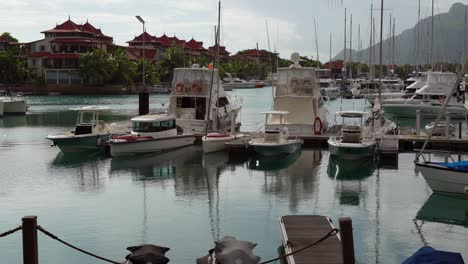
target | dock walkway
[{"x": 298, "y": 231}]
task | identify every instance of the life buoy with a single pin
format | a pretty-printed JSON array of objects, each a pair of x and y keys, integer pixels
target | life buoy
[
  {"x": 441, "y": 99},
  {"x": 180, "y": 87},
  {"x": 196, "y": 88},
  {"x": 318, "y": 130}
]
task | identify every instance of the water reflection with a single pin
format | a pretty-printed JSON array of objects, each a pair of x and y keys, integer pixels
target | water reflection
[
  {"x": 445, "y": 209},
  {"x": 264, "y": 163},
  {"x": 13, "y": 121}
]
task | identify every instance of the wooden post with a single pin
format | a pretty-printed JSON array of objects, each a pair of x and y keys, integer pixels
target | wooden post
[
  {"x": 143, "y": 103},
  {"x": 347, "y": 242},
  {"x": 30, "y": 252},
  {"x": 459, "y": 130}
]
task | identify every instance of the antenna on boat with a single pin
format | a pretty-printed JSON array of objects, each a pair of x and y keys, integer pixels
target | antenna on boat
[{"x": 316, "y": 40}]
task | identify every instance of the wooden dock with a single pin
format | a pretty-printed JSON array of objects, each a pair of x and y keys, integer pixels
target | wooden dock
[{"x": 298, "y": 231}]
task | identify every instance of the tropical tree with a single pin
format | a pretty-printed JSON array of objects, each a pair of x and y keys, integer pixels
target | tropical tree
[
  {"x": 151, "y": 73},
  {"x": 96, "y": 67},
  {"x": 125, "y": 69},
  {"x": 12, "y": 68},
  {"x": 174, "y": 57},
  {"x": 7, "y": 35}
]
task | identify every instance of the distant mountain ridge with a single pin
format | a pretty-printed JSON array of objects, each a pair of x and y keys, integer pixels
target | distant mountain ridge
[{"x": 448, "y": 41}]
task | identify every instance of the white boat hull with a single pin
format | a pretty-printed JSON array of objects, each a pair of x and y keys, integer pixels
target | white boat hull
[
  {"x": 14, "y": 106},
  {"x": 213, "y": 144},
  {"x": 127, "y": 148},
  {"x": 444, "y": 180},
  {"x": 351, "y": 150},
  {"x": 276, "y": 149},
  {"x": 427, "y": 110}
]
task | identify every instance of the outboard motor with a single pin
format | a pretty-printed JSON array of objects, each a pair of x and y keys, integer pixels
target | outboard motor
[
  {"x": 229, "y": 250},
  {"x": 147, "y": 254}
]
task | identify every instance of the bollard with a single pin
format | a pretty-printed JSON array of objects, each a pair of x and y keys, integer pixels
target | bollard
[
  {"x": 447, "y": 125},
  {"x": 459, "y": 130},
  {"x": 143, "y": 103},
  {"x": 418, "y": 123},
  {"x": 29, "y": 227},
  {"x": 347, "y": 241}
]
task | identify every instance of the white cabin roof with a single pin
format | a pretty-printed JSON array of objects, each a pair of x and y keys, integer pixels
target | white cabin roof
[
  {"x": 275, "y": 113},
  {"x": 90, "y": 108},
  {"x": 351, "y": 114},
  {"x": 152, "y": 118}
]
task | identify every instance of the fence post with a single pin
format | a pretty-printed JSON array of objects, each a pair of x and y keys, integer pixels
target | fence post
[
  {"x": 29, "y": 228},
  {"x": 347, "y": 242}
]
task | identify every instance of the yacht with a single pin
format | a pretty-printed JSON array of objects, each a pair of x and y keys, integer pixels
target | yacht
[
  {"x": 191, "y": 105},
  {"x": 429, "y": 99},
  {"x": 231, "y": 82},
  {"x": 90, "y": 132},
  {"x": 400, "y": 96},
  {"x": 297, "y": 93},
  {"x": 13, "y": 104},
  {"x": 327, "y": 85},
  {"x": 351, "y": 143},
  {"x": 392, "y": 84},
  {"x": 275, "y": 142},
  {"x": 150, "y": 134}
]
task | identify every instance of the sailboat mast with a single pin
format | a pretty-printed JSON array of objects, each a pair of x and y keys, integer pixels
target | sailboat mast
[
  {"x": 464, "y": 38},
  {"x": 344, "y": 59},
  {"x": 316, "y": 40},
  {"x": 269, "y": 50},
  {"x": 393, "y": 45},
  {"x": 432, "y": 36},
  {"x": 418, "y": 43},
  {"x": 381, "y": 36},
  {"x": 351, "y": 46},
  {"x": 370, "y": 44},
  {"x": 359, "y": 48},
  {"x": 330, "y": 62}
]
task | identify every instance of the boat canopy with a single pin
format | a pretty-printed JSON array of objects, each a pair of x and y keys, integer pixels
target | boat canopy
[
  {"x": 459, "y": 166},
  {"x": 91, "y": 108},
  {"x": 152, "y": 118},
  {"x": 438, "y": 83},
  {"x": 351, "y": 114}
]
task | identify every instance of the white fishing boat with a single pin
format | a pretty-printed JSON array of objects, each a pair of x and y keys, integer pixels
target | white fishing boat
[
  {"x": 377, "y": 125},
  {"x": 231, "y": 82},
  {"x": 216, "y": 141},
  {"x": 351, "y": 143},
  {"x": 439, "y": 130},
  {"x": 90, "y": 132},
  {"x": 429, "y": 99},
  {"x": 445, "y": 177},
  {"x": 297, "y": 93},
  {"x": 192, "y": 106},
  {"x": 275, "y": 142},
  {"x": 150, "y": 134},
  {"x": 13, "y": 104}
]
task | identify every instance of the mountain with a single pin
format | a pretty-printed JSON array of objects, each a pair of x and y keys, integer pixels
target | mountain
[{"x": 448, "y": 41}]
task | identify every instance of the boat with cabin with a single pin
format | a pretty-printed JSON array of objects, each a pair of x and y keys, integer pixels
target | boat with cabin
[
  {"x": 298, "y": 94},
  {"x": 327, "y": 85},
  {"x": 90, "y": 132},
  {"x": 152, "y": 133},
  {"x": 190, "y": 102},
  {"x": 351, "y": 143},
  {"x": 275, "y": 141},
  {"x": 232, "y": 82}
]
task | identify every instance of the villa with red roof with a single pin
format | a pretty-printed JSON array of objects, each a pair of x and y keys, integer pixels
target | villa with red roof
[{"x": 56, "y": 57}]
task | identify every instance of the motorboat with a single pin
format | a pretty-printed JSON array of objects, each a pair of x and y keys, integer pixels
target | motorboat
[
  {"x": 216, "y": 141},
  {"x": 298, "y": 94},
  {"x": 429, "y": 99},
  {"x": 445, "y": 177},
  {"x": 439, "y": 130},
  {"x": 400, "y": 97},
  {"x": 392, "y": 84},
  {"x": 377, "y": 125},
  {"x": 275, "y": 142},
  {"x": 90, "y": 133},
  {"x": 231, "y": 82},
  {"x": 13, "y": 104},
  {"x": 327, "y": 85},
  {"x": 351, "y": 143},
  {"x": 198, "y": 104},
  {"x": 152, "y": 133}
]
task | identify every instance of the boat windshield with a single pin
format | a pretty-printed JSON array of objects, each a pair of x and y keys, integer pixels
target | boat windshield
[
  {"x": 156, "y": 126},
  {"x": 324, "y": 84}
]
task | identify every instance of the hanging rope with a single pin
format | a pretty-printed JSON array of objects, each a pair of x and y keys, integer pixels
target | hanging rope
[
  {"x": 332, "y": 232},
  {"x": 9, "y": 232},
  {"x": 74, "y": 247}
]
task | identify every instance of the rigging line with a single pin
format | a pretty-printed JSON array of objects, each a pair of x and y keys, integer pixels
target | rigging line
[{"x": 9, "y": 232}]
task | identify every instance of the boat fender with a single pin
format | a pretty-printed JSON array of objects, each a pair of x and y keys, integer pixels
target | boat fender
[
  {"x": 196, "y": 88},
  {"x": 180, "y": 87},
  {"x": 318, "y": 126}
]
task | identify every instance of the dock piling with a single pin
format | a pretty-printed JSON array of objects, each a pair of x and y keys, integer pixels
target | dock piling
[
  {"x": 30, "y": 252},
  {"x": 346, "y": 231},
  {"x": 143, "y": 103},
  {"x": 459, "y": 130},
  {"x": 418, "y": 123}
]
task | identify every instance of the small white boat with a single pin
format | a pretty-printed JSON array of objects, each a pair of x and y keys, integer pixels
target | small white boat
[
  {"x": 231, "y": 82},
  {"x": 351, "y": 144},
  {"x": 446, "y": 177},
  {"x": 90, "y": 132},
  {"x": 13, "y": 104},
  {"x": 440, "y": 129},
  {"x": 150, "y": 133},
  {"x": 216, "y": 141},
  {"x": 275, "y": 142}
]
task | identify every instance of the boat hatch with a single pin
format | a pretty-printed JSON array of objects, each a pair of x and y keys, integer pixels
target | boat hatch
[{"x": 156, "y": 126}]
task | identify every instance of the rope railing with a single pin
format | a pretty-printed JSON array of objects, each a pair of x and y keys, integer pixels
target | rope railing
[
  {"x": 47, "y": 233},
  {"x": 9, "y": 232}
]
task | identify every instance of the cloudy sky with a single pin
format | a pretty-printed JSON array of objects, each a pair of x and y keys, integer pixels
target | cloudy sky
[{"x": 291, "y": 22}]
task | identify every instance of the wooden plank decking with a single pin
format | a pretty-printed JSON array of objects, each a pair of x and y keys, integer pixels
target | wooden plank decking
[{"x": 298, "y": 231}]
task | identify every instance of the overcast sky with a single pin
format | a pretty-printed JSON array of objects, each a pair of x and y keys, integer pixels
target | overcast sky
[{"x": 243, "y": 21}]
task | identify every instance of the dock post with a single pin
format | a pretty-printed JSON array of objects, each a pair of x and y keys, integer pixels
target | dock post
[
  {"x": 29, "y": 228},
  {"x": 347, "y": 241},
  {"x": 232, "y": 117},
  {"x": 459, "y": 130},
  {"x": 143, "y": 102},
  {"x": 418, "y": 123},
  {"x": 447, "y": 125}
]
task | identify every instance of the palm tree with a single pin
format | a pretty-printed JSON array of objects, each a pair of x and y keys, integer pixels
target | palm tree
[
  {"x": 96, "y": 67},
  {"x": 125, "y": 69},
  {"x": 174, "y": 57}
]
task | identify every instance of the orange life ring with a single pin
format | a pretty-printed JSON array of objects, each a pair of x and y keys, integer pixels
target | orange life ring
[
  {"x": 318, "y": 130},
  {"x": 441, "y": 99},
  {"x": 180, "y": 87},
  {"x": 196, "y": 88}
]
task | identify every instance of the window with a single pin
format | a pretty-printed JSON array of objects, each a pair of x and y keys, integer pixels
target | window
[
  {"x": 222, "y": 101},
  {"x": 42, "y": 48},
  {"x": 33, "y": 61},
  {"x": 157, "y": 126}
]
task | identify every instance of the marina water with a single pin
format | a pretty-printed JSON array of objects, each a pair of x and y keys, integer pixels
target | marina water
[{"x": 185, "y": 200}]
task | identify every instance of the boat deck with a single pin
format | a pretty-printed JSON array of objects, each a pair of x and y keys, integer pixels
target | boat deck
[{"x": 298, "y": 231}]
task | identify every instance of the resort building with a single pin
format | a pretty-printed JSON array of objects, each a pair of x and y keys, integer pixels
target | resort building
[{"x": 56, "y": 57}]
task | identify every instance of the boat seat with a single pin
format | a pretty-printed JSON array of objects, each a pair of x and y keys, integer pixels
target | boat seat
[{"x": 351, "y": 134}]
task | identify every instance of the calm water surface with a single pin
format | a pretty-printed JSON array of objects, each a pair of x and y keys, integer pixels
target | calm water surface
[{"x": 184, "y": 199}]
